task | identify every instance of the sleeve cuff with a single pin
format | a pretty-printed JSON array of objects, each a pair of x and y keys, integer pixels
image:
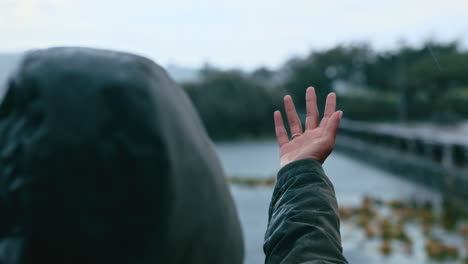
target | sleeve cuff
[{"x": 304, "y": 164}]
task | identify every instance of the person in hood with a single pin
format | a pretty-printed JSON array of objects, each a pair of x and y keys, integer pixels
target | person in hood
[{"x": 104, "y": 160}]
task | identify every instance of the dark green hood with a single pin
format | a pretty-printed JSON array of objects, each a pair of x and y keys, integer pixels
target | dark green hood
[{"x": 104, "y": 160}]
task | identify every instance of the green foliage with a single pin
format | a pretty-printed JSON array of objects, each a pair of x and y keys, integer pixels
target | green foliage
[
  {"x": 455, "y": 101},
  {"x": 321, "y": 69},
  {"x": 412, "y": 83},
  {"x": 359, "y": 104},
  {"x": 232, "y": 105}
]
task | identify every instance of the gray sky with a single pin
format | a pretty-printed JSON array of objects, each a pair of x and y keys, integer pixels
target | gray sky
[{"x": 227, "y": 33}]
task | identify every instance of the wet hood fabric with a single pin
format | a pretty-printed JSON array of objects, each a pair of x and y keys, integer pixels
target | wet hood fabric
[{"x": 104, "y": 160}]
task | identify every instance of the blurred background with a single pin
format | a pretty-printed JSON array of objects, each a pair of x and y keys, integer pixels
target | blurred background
[{"x": 399, "y": 68}]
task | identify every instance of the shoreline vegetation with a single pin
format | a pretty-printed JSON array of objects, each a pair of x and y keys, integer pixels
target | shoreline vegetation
[
  {"x": 436, "y": 230},
  {"x": 406, "y": 227},
  {"x": 401, "y": 85},
  {"x": 252, "y": 181}
]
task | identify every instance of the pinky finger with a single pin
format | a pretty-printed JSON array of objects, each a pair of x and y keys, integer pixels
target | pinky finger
[{"x": 281, "y": 134}]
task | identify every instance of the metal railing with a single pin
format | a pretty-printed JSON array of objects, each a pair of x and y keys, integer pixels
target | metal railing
[{"x": 449, "y": 151}]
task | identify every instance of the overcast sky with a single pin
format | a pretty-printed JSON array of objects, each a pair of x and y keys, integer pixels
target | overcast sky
[{"x": 227, "y": 33}]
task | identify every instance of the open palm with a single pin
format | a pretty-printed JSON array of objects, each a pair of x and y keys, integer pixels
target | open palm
[{"x": 318, "y": 139}]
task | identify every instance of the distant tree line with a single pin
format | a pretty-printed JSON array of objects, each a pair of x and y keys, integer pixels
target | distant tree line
[{"x": 426, "y": 83}]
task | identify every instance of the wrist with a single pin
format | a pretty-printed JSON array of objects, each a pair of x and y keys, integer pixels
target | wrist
[
  {"x": 302, "y": 163},
  {"x": 286, "y": 161}
]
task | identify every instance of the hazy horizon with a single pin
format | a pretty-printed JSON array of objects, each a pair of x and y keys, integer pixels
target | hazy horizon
[{"x": 229, "y": 34}]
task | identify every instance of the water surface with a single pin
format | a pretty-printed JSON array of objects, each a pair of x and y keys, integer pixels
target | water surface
[{"x": 352, "y": 180}]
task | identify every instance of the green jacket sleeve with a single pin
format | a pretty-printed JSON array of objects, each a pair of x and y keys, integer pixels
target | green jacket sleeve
[{"x": 303, "y": 222}]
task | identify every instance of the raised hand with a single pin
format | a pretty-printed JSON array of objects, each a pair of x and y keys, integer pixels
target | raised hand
[{"x": 318, "y": 139}]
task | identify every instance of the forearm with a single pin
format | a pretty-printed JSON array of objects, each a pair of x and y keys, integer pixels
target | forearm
[{"x": 303, "y": 217}]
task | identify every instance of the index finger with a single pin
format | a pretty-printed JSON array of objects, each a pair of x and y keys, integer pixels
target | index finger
[
  {"x": 330, "y": 107},
  {"x": 333, "y": 124}
]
